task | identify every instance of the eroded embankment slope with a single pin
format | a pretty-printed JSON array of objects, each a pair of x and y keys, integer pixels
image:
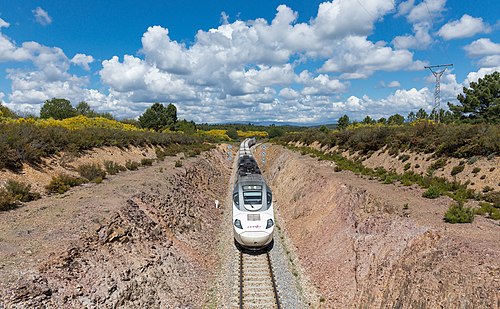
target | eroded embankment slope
[
  {"x": 362, "y": 248},
  {"x": 142, "y": 239}
]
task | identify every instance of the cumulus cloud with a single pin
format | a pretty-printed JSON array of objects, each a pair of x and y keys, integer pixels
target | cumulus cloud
[
  {"x": 394, "y": 84},
  {"x": 482, "y": 47},
  {"x": 359, "y": 58},
  {"x": 420, "y": 40},
  {"x": 466, "y": 27},
  {"x": 425, "y": 11},
  {"x": 42, "y": 17},
  {"x": 82, "y": 60}
]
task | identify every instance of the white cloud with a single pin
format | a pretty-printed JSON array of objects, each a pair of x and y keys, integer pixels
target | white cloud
[
  {"x": 394, "y": 84},
  {"x": 341, "y": 18},
  {"x": 490, "y": 61},
  {"x": 42, "y": 17},
  {"x": 82, "y": 60},
  {"x": 426, "y": 11},
  {"x": 421, "y": 39},
  {"x": 358, "y": 56},
  {"x": 3, "y": 24},
  {"x": 482, "y": 47},
  {"x": 466, "y": 27},
  {"x": 475, "y": 76}
]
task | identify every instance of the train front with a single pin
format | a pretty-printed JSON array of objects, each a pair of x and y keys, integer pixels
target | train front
[{"x": 253, "y": 218}]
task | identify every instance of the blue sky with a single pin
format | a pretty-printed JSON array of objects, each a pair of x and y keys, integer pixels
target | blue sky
[{"x": 306, "y": 62}]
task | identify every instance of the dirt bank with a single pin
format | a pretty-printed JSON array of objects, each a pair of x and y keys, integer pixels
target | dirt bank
[
  {"x": 140, "y": 239},
  {"x": 364, "y": 244}
]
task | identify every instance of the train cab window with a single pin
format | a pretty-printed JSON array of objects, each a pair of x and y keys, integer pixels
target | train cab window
[
  {"x": 269, "y": 197},
  {"x": 252, "y": 197},
  {"x": 236, "y": 199}
]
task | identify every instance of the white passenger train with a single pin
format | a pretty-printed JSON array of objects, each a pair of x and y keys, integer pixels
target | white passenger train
[{"x": 253, "y": 217}]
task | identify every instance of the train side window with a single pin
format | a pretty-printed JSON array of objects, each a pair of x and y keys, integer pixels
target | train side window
[
  {"x": 236, "y": 199},
  {"x": 269, "y": 199}
]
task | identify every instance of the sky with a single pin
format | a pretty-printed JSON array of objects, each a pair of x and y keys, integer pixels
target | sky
[{"x": 303, "y": 62}]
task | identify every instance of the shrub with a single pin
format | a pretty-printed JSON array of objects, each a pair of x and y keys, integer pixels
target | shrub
[
  {"x": 337, "y": 168},
  {"x": 92, "y": 172},
  {"x": 62, "y": 182},
  {"x": 487, "y": 189},
  {"x": 457, "y": 169},
  {"x": 404, "y": 157},
  {"x": 113, "y": 168},
  {"x": 482, "y": 177},
  {"x": 20, "y": 191},
  {"x": 407, "y": 166},
  {"x": 457, "y": 213},
  {"x": 432, "y": 192},
  {"x": 178, "y": 163},
  {"x": 476, "y": 170},
  {"x": 160, "y": 155},
  {"x": 417, "y": 165},
  {"x": 492, "y": 169},
  {"x": 132, "y": 165},
  {"x": 487, "y": 208},
  {"x": 7, "y": 202},
  {"x": 440, "y": 163},
  {"x": 146, "y": 162}
]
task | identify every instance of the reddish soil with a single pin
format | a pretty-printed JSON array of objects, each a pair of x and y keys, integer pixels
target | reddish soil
[
  {"x": 140, "y": 239},
  {"x": 361, "y": 248}
]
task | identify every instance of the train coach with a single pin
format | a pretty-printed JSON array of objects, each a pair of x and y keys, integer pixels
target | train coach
[{"x": 253, "y": 217}]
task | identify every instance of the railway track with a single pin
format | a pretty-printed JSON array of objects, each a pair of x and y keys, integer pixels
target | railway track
[{"x": 257, "y": 286}]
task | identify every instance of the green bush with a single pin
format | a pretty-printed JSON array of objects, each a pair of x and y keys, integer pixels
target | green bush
[
  {"x": 487, "y": 208},
  {"x": 146, "y": 162},
  {"x": 113, "y": 168},
  {"x": 476, "y": 170},
  {"x": 132, "y": 165},
  {"x": 20, "y": 191},
  {"x": 457, "y": 169},
  {"x": 404, "y": 157},
  {"x": 407, "y": 166},
  {"x": 92, "y": 171},
  {"x": 160, "y": 155},
  {"x": 62, "y": 182},
  {"x": 432, "y": 192},
  {"x": 457, "y": 213},
  {"x": 7, "y": 201},
  {"x": 178, "y": 163}
]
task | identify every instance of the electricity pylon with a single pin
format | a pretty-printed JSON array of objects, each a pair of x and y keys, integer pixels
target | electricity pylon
[{"x": 437, "y": 89}]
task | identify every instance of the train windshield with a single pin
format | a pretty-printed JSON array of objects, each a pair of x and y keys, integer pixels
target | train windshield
[{"x": 252, "y": 197}]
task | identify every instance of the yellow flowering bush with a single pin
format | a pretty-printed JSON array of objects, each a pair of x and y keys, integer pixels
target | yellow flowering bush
[
  {"x": 246, "y": 134},
  {"x": 216, "y": 134}
]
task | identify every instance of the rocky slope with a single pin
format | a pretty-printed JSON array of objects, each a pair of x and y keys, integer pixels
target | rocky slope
[
  {"x": 362, "y": 248},
  {"x": 141, "y": 239}
]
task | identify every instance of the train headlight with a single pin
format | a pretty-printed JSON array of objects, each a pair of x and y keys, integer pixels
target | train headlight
[
  {"x": 237, "y": 223},
  {"x": 269, "y": 223}
]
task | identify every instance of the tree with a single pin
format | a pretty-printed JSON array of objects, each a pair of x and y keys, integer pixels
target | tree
[
  {"x": 83, "y": 108},
  {"x": 232, "y": 133},
  {"x": 411, "y": 117},
  {"x": 481, "y": 101},
  {"x": 159, "y": 117},
  {"x": 57, "y": 109},
  {"x": 323, "y": 129},
  {"x": 422, "y": 114},
  {"x": 368, "y": 120},
  {"x": 275, "y": 132},
  {"x": 7, "y": 112},
  {"x": 382, "y": 120},
  {"x": 396, "y": 119},
  {"x": 343, "y": 122}
]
